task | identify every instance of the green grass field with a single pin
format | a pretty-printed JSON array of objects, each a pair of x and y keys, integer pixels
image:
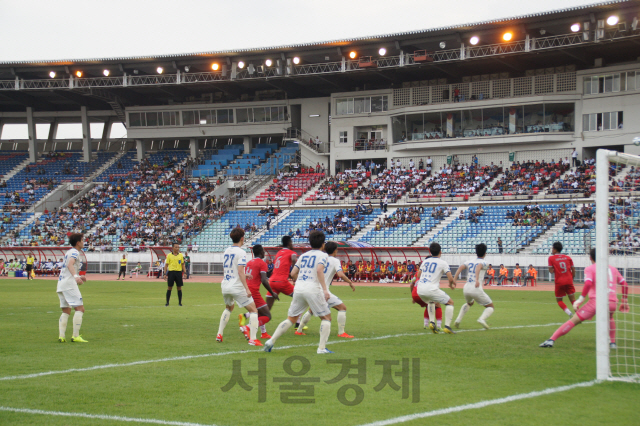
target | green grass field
[{"x": 127, "y": 322}]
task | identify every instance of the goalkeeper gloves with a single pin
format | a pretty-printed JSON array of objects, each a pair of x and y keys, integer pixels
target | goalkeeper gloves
[{"x": 577, "y": 303}]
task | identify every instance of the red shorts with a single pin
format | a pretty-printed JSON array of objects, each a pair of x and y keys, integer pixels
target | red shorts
[
  {"x": 588, "y": 311},
  {"x": 564, "y": 290},
  {"x": 416, "y": 298},
  {"x": 281, "y": 287},
  {"x": 257, "y": 298}
]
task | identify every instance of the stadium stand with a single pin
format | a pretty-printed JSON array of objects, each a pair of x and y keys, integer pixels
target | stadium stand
[
  {"x": 215, "y": 236},
  {"x": 339, "y": 187},
  {"x": 405, "y": 226},
  {"x": 289, "y": 188},
  {"x": 485, "y": 225},
  {"x": 391, "y": 184},
  {"x": 338, "y": 224},
  {"x": 528, "y": 178},
  {"x": 455, "y": 181}
]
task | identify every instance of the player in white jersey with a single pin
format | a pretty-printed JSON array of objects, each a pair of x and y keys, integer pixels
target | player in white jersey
[
  {"x": 234, "y": 287},
  {"x": 428, "y": 283},
  {"x": 473, "y": 291},
  {"x": 68, "y": 291},
  {"x": 332, "y": 268},
  {"x": 310, "y": 292}
]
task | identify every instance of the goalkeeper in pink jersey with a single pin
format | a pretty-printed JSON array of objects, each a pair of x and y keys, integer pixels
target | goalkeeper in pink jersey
[{"x": 588, "y": 311}]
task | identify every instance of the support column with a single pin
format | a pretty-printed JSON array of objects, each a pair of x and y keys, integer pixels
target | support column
[
  {"x": 53, "y": 131},
  {"x": 140, "y": 148},
  {"x": 193, "y": 147},
  {"x": 31, "y": 129},
  {"x": 86, "y": 135},
  {"x": 106, "y": 130},
  {"x": 247, "y": 144}
]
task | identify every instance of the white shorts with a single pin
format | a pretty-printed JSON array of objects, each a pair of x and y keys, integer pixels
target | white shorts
[
  {"x": 240, "y": 298},
  {"x": 314, "y": 301},
  {"x": 436, "y": 296},
  {"x": 333, "y": 301},
  {"x": 70, "y": 298},
  {"x": 476, "y": 294}
]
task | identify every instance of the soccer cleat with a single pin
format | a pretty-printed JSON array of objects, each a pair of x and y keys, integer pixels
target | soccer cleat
[
  {"x": 345, "y": 335},
  {"x": 547, "y": 344},
  {"x": 268, "y": 345},
  {"x": 265, "y": 335},
  {"x": 242, "y": 320},
  {"x": 300, "y": 333},
  {"x": 483, "y": 323},
  {"x": 613, "y": 345},
  {"x": 166, "y": 304},
  {"x": 62, "y": 340},
  {"x": 324, "y": 351},
  {"x": 179, "y": 304},
  {"x": 432, "y": 327},
  {"x": 255, "y": 342},
  {"x": 219, "y": 338},
  {"x": 448, "y": 330},
  {"x": 79, "y": 339},
  {"x": 245, "y": 330},
  {"x": 457, "y": 324}
]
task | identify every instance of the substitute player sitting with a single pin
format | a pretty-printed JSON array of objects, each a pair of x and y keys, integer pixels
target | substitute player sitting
[
  {"x": 234, "y": 287},
  {"x": 490, "y": 275},
  {"x": 561, "y": 266},
  {"x": 332, "y": 268},
  {"x": 68, "y": 291},
  {"x": 428, "y": 282},
  {"x": 504, "y": 275},
  {"x": 256, "y": 272},
  {"x": 517, "y": 275},
  {"x": 588, "y": 311},
  {"x": 136, "y": 270},
  {"x": 473, "y": 291},
  {"x": 532, "y": 275},
  {"x": 311, "y": 292}
]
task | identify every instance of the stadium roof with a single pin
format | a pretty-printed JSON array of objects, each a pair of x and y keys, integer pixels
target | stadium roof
[{"x": 621, "y": 47}]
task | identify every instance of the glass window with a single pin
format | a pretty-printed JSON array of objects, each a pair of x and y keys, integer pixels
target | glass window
[
  {"x": 533, "y": 119},
  {"x": 376, "y": 104},
  {"x": 243, "y": 115},
  {"x": 433, "y": 125},
  {"x": 282, "y": 113},
  {"x": 190, "y": 118},
  {"x": 342, "y": 106},
  {"x": 274, "y": 113},
  {"x": 616, "y": 82},
  {"x": 207, "y": 117},
  {"x": 585, "y": 122},
  {"x": 399, "y": 128},
  {"x": 620, "y": 123},
  {"x": 343, "y": 137},
  {"x": 359, "y": 105},
  {"x": 136, "y": 119},
  {"x": 350, "y": 106},
  {"x": 472, "y": 123},
  {"x": 224, "y": 117},
  {"x": 623, "y": 82},
  {"x": 515, "y": 119},
  {"x": 152, "y": 119},
  {"x": 493, "y": 121},
  {"x": 453, "y": 124},
  {"x": 631, "y": 80},
  {"x": 587, "y": 85},
  {"x": 559, "y": 117},
  {"x": 169, "y": 118},
  {"x": 593, "y": 122},
  {"x": 608, "y": 84},
  {"x": 606, "y": 121},
  {"x": 385, "y": 103},
  {"x": 259, "y": 115},
  {"x": 415, "y": 127}
]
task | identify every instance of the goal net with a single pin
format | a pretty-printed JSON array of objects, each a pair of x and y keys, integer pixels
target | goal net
[{"x": 617, "y": 243}]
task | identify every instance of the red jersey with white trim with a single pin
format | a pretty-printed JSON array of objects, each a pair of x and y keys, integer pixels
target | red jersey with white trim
[
  {"x": 282, "y": 265},
  {"x": 254, "y": 268},
  {"x": 561, "y": 265}
]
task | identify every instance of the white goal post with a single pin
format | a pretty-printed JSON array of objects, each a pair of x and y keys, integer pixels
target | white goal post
[{"x": 626, "y": 358}]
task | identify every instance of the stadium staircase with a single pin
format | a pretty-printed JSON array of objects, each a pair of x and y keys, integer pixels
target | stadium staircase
[
  {"x": 428, "y": 237},
  {"x": 538, "y": 242},
  {"x": 310, "y": 192},
  {"x": 16, "y": 169},
  {"x": 372, "y": 224},
  {"x": 251, "y": 241}
]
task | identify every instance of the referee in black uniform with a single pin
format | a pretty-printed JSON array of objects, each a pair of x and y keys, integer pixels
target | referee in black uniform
[{"x": 174, "y": 270}]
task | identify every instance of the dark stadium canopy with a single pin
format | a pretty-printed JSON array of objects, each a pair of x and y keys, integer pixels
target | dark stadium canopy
[{"x": 544, "y": 24}]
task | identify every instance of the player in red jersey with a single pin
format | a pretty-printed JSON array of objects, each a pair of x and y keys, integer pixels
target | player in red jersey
[
  {"x": 256, "y": 272},
  {"x": 279, "y": 281},
  {"x": 561, "y": 266}
]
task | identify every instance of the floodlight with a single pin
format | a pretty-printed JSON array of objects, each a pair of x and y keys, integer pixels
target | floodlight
[
  {"x": 575, "y": 28},
  {"x": 78, "y": 74},
  {"x": 382, "y": 51},
  {"x": 52, "y": 74},
  {"x": 160, "y": 70},
  {"x": 507, "y": 36},
  {"x": 240, "y": 64},
  {"x": 296, "y": 60},
  {"x": 106, "y": 73},
  {"x": 268, "y": 62},
  {"x": 612, "y": 20},
  {"x": 474, "y": 40},
  {"x": 353, "y": 54}
]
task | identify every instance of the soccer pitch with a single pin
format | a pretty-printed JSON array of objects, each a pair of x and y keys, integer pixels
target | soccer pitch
[{"x": 150, "y": 364}]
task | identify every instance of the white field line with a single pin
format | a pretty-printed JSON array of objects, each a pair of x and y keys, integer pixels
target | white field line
[
  {"x": 480, "y": 404},
  {"x": 99, "y": 417},
  {"x": 186, "y": 357}
]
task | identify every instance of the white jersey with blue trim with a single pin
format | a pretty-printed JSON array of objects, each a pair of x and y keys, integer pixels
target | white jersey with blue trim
[
  {"x": 66, "y": 281},
  {"x": 233, "y": 257},
  {"x": 308, "y": 273},
  {"x": 331, "y": 269},
  {"x": 472, "y": 266},
  {"x": 431, "y": 272}
]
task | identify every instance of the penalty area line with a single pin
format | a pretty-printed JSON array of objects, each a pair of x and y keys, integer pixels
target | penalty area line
[
  {"x": 481, "y": 404},
  {"x": 214, "y": 354},
  {"x": 99, "y": 417}
]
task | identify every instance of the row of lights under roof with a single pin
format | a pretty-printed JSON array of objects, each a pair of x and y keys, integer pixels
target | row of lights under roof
[{"x": 474, "y": 40}]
